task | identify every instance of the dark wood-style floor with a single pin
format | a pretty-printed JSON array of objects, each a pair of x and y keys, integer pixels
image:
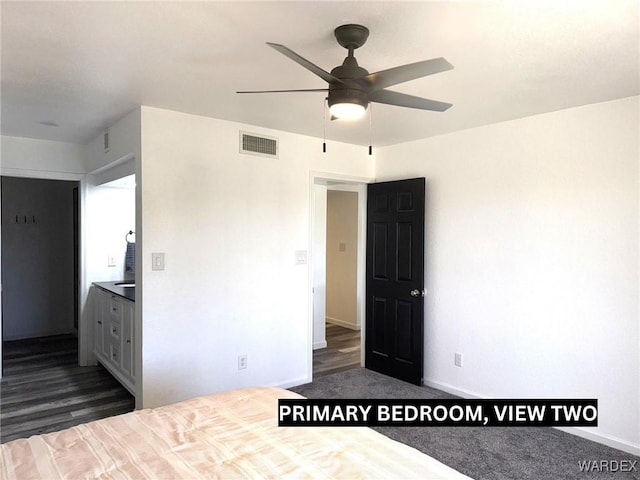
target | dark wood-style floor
[
  {"x": 342, "y": 352},
  {"x": 44, "y": 390}
]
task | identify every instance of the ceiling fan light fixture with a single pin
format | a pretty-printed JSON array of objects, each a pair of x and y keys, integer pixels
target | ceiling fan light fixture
[
  {"x": 347, "y": 111},
  {"x": 351, "y": 88}
]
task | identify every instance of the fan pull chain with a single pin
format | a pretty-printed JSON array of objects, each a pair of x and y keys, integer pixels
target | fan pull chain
[
  {"x": 370, "y": 129},
  {"x": 324, "y": 126}
]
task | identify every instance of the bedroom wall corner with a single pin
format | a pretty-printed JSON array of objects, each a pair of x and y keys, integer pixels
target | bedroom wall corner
[{"x": 532, "y": 259}]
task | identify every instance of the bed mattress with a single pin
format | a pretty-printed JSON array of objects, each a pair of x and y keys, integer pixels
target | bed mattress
[{"x": 226, "y": 435}]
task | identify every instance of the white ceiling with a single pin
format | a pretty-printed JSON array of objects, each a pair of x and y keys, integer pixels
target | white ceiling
[{"x": 83, "y": 65}]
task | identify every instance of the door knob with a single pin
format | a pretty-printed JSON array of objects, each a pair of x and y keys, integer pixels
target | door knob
[{"x": 417, "y": 293}]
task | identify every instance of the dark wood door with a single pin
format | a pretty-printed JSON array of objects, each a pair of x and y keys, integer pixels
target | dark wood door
[{"x": 394, "y": 335}]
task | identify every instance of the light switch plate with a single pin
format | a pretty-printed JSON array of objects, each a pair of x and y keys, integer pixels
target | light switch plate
[
  {"x": 301, "y": 257},
  {"x": 157, "y": 261},
  {"x": 457, "y": 359}
]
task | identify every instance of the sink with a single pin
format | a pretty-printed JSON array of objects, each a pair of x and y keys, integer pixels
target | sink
[{"x": 126, "y": 284}]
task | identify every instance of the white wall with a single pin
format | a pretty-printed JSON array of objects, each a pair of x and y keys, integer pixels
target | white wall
[
  {"x": 532, "y": 259},
  {"x": 34, "y": 158},
  {"x": 341, "y": 266},
  {"x": 229, "y": 225},
  {"x": 112, "y": 214}
]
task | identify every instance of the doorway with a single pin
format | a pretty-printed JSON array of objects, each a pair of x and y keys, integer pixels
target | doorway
[
  {"x": 392, "y": 340},
  {"x": 338, "y": 256},
  {"x": 39, "y": 258}
]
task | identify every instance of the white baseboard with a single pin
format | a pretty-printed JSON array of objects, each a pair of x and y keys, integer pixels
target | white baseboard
[
  {"x": 445, "y": 387},
  {"x": 37, "y": 334},
  {"x": 603, "y": 439},
  {"x": 342, "y": 323},
  {"x": 577, "y": 431},
  {"x": 293, "y": 383},
  {"x": 318, "y": 345}
]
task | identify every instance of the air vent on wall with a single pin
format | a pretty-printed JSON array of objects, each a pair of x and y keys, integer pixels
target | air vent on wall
[
  {"x": 263, "y": 145},
  {"x": 105, "y": 139}
]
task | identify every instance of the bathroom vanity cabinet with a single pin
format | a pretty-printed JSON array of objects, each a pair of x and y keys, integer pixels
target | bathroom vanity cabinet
[{"x": 114, "y": 334}]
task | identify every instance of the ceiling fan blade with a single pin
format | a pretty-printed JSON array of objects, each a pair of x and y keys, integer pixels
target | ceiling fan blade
[
  {"x": 326, "y": 76},
  {"x": 404, "y": 73},
  {"x": 286, "y": 91},
  {"x": 403, "y": 100}
]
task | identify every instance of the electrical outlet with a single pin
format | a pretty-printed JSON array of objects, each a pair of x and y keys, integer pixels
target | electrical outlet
[
  {"x": 242, "y": 362},
  {"x": 457, "y": 359},
  {"x": 111, "y": 261}
]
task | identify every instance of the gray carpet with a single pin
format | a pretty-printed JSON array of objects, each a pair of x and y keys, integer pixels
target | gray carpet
[{"x": 512, "y": 453}]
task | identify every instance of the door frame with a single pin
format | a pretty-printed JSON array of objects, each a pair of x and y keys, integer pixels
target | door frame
[
  {"x": 354, "y": 184},
  {"x": 84, "y": 338}
]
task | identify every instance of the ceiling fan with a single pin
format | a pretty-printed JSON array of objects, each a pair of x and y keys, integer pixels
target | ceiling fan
[{"x": 352, "y": 87}]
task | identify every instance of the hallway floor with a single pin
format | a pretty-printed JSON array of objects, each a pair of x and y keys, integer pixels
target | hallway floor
[{"x": 342, "y": 352}]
